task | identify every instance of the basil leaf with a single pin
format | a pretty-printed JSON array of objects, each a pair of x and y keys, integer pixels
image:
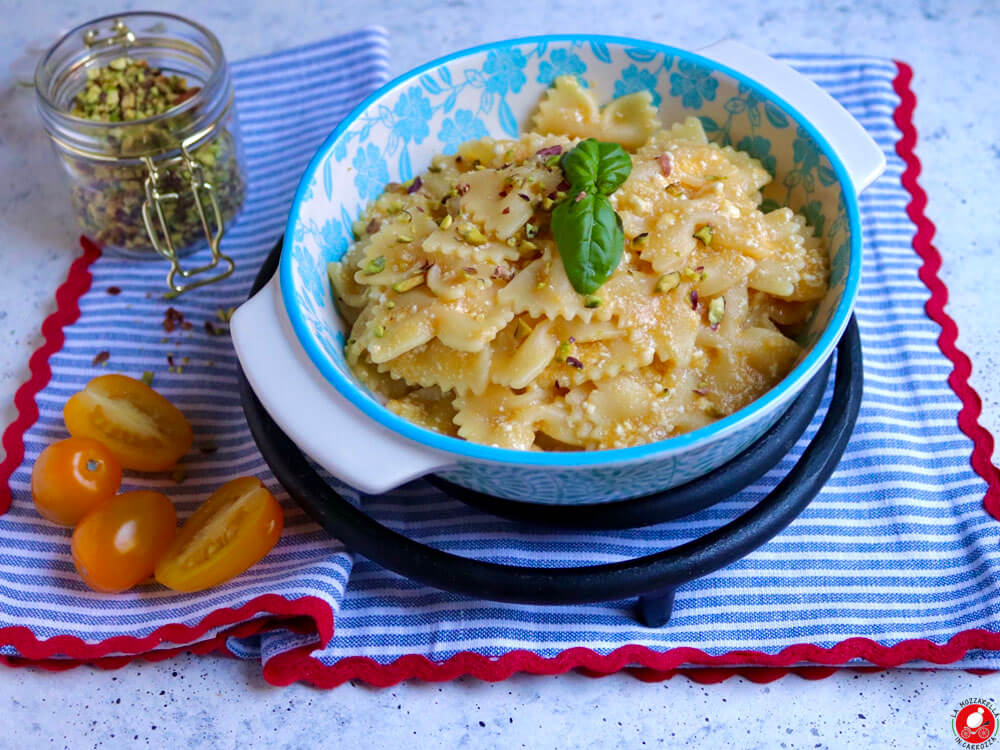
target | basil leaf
[
  {"x": 590, "y": 239},
  {"x": 596, "y": 163}
]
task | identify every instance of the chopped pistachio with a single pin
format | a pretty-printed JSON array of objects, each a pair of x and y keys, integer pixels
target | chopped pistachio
[
  {"x": 640, "y": 239},
  {"x": 704, "y": 234},
  {"x": 394, "y": 208},
  {"x": 527, "y": 246},
  {"x": 592, "y": 300},
  {"x": 552, "y": 160},
  {"x": 691, "y": 274},
  {"x": 523, "y": 330},
  {"x": 530, "y": 230},
  {"x": 547, "y": 203},
  {"x": 472, "y": 234},
  {"x": 564, "y": 351},
  {"x": 541, "y": 285},
  {"x": 147, "y": 377},
  {"x": 379, "y": 331},
  {"x": 434, "y": 168},
  {"x": 675, "y": 190},
  {"x": 716, "y": 310},
  {"x": 402, "y": 239},
  {"x": 717, "y": 178},
  {"x": 389, "y": 305},
  {"x": 667, "y": 282},
  {"x": 445, "y": 222},
  {"x": 407, "y": 284},
  {"x": 512, "y": 242},
  {"x": 375, "y": 265}
]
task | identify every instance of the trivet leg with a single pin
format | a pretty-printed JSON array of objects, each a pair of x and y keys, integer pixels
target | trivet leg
[{"x": 655, "y": 609}]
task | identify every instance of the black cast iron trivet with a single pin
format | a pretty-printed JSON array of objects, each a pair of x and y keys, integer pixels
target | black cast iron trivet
[{"x": 653, "y": 578}]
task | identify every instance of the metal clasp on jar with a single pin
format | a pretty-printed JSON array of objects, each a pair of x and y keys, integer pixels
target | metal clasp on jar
[{"x": 159, "y": 232}]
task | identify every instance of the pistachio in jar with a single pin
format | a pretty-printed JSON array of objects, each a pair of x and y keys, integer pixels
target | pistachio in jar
[{"x": 107, "y": 196}]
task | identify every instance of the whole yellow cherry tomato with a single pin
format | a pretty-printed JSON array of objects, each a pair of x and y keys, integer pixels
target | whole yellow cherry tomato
[
  {"x": 71, "y": 477},
  {"x": 118, "y": 544}
]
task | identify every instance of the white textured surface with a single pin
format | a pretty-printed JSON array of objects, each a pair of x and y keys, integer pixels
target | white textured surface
[{"x": 190, "y": 702}]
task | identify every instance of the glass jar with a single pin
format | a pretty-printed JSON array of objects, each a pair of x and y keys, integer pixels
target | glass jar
[{"x": 166, "y": 184}]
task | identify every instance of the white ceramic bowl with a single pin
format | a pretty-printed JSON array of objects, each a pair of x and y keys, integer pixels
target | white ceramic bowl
[{"x": 290, "y": 340}]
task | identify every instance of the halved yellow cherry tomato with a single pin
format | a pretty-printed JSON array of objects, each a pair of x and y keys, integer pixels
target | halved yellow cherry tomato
[
  {"x": 118, "y": 544},
  {"x": 229, "y": 532},
  {"x": 71, "y": 477},
  {"x": 142, "y": 429}
]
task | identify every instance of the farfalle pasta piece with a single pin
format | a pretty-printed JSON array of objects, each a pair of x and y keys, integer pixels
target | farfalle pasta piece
[
  {"x": 503, "y": 201},
  {"x": 426, "y": 407},
  {"x": 570, "y": 109},
  {"x": 629, "y": 120},
  {"x": 451, "y": 244},
  {"x": 567, "y": 109},
  {"x": 542, "y": 290},
  {"x": 500, "y": 417},
  {"x": 434, "y": 364}
]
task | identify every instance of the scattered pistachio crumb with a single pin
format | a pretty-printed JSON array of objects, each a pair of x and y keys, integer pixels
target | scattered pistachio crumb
[
  {"x": 389, "y": 305},
  {"x": 407, "y": 284},
  {"x": 547, "y": 203},
  {"x": 402, "y": 239},
  {"x": 147, "y": 377},
  {"x": 552, "y": 160},
  {"x": 434, "y": 168},
  {"x": 375, "y": 265},
  {"x": 379, "y": 331},
  {"x": 592, "y": 300},
  {"x": 512, "y": 242},
  {"x": 445, "y": 222},
  {"x": 563, "y": 351},
  {"x": 523, "y": 330},
  {"x": 667, "y": 282},
  {"x": 716, "y": 310},
  {"x": 640, "y": 239},
  {"x": 704, "y": 234},
  {"x": 530, "y": 231},
  {"x": 472, "y": 234}
]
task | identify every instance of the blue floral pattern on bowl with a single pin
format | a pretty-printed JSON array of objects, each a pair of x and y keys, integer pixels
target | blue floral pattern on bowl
[{"x": 492, "y": 91}]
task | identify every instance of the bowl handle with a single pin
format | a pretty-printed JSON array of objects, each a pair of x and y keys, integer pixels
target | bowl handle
[
  {"x": 325, "y": 425},
  {"x": 862, "y": 157}
]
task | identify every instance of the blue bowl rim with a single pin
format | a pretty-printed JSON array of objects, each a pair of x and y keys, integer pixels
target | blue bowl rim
[{"x": 799, "y": 375}]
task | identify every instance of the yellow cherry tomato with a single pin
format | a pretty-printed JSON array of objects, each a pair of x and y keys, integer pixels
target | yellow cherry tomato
[
  {"x": 229, "y": 532},
  {"x": 72, "y": 477},
  {"x": 118, "y": 544},
  {"x": 140, "y": 427}
]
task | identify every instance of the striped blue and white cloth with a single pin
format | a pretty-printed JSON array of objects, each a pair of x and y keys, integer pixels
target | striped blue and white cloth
[{"x": 896, "y": 547}]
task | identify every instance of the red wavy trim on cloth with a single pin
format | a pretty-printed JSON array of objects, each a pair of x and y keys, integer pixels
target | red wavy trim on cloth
[
  {"x": 972, "y": 405},
  {"x": 299, "y": 665},
  {"x": 67, "y": 311}
]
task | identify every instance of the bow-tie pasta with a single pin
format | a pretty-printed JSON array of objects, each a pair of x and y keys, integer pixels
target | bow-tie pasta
[{"x": 463, "y": 319}]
